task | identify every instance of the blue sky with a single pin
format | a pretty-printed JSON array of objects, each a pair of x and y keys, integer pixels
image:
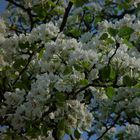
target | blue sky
[{"x": 2, "y": 5}]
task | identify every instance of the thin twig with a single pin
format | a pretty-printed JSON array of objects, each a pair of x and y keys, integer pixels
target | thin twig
[
  {"x": 109, "y": 16},
  {"x": 107, "y": 129},
  {"x": 27, "y": 10},
  {"x": 52, "y": 8},
  {"x": 110, "y": 58},
  {"x": 27, "y": 64}
]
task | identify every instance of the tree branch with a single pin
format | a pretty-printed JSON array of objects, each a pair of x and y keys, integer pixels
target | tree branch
[
  {"x": 108, "y": 16},
  {"x": 64, "y": 21},
  {"x": 27, "y": 10},
  {"x": 107, "y": 129},
  {"x": 17, "y": 5},
  {"x": 94, "y": 84},
  {"x": 27, "y": 64},
  {"x": 52, "y": 8}
]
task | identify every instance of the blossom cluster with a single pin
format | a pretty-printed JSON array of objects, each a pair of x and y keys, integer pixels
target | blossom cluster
[{"x": 59, "y": 84}]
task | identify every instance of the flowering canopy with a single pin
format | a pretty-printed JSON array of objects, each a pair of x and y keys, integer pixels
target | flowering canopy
[{"x": 68, "y": 67}]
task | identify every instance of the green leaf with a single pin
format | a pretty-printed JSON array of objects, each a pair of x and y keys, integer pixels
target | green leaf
[
  {"x": 112, "y": 32},
  {"x": 128, "y": 81},
  {"x": 78, "y": 67},
  {"x": 68, "y": 130},
  {"x": 120, "y": 7},
  {"x": 97, "y": 19},
  {"x": 105, "y": 72},
  {"x": 137, "y": 85},
  {"x": 41, "y": 53},
  {"x": 32, "y": 129},
  {"x": 104, "y": 36},
  {"x": 126, "y": 5},
  {"x": 67, "y": 70},
  {"x": 44, "y": 129},
  {"x": 62, "y": 124},
  {"x": 79, "y": 2},
  {"x": 112, "y": 73},
  {"x": 18, "y": 63},
  {"x": 120, "y": 136},
  {"x": 4, "y": 68},
  {"x": 88, "y": 98},
  {"x": 77, "y": 134},
  {"x": 61, "y": 128},
  {"x": 125, "y": 32},
  {"x": 116, "y": 11},
  {"x": 8, "y": 137},
  {"x": 88, "y": 18},
  {"x": 85, "y": 64},
  {"x": 138, "y": 7},
  {"x": 137, "y": 94},
  {"x": 39, "y": 11},
  {"x": 60, "y": 99},
  {"x": 108, "y": 73},
  {"x": 75, "y": 32},
  {"x": 110, "y": 41},
  {"x": 20, "y": 85},
  {"x": 110, "y": 92},
  {"x": 60, "y": 134},
  {"x": 24, "y": 45},
  {"x": 129, "y": 44},
  {"x": 84, "y": 82},
  {"x": 25, "y": 83}
]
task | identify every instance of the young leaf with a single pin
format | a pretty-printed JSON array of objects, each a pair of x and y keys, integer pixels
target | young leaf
[
  {"x": 110, "y": 92},
  {"x": 125, "y": 31},
  {"x": 104, "y": 36},
  {"x": 105, "y": 72},
  {"x": 79, "y": 2},
  {"x": 128, "y": 81},
  {"x": 112, "y": 73},
  {"x": 84, "y": 82},
  {"x": 112, "y": 32},
  {"x": 77, "y": 134},
  {"x": 68, "y": 130}
]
